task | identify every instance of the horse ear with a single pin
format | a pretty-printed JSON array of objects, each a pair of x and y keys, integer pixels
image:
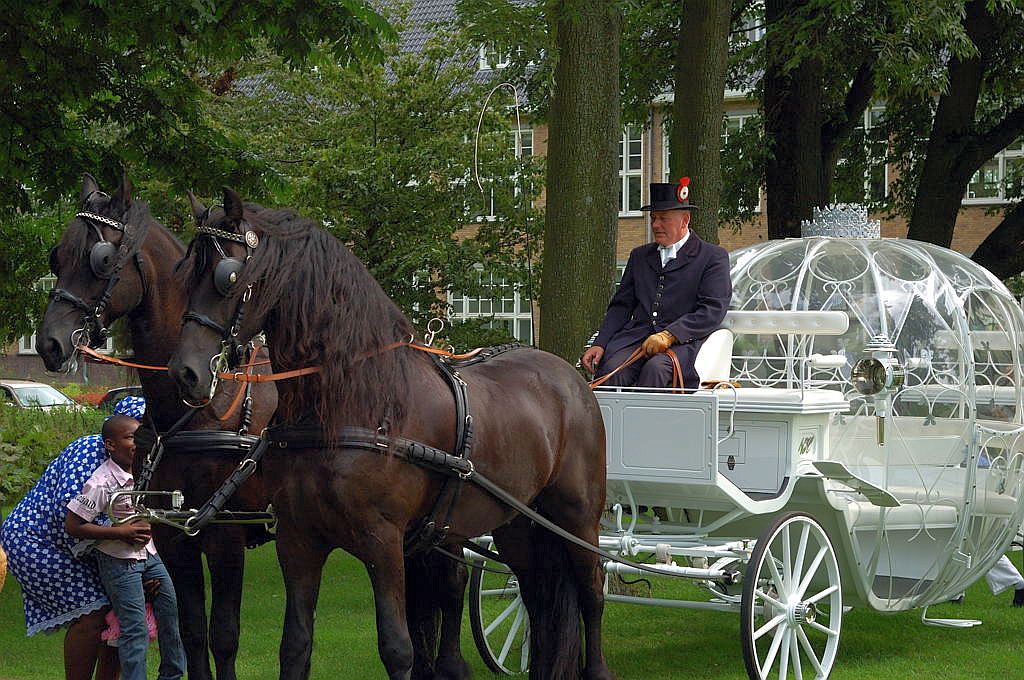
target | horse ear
[
  {"x": 232, "y": 205},
  {"x": 123, "y": 195},
  {"x": 89, "y": 185},
  {"x": 198, "y": 209}
]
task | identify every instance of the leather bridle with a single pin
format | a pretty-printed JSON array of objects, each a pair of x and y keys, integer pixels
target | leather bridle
[
  {"x": 225, "y": 276},
  {"x": 106, "y": 262}
]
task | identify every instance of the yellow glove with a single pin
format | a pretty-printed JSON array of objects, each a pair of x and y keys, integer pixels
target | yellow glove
[{"x": 658, "y": 342}]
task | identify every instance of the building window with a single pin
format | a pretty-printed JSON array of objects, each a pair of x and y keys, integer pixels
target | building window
[
  {"x": 27, "y": 343},
  {"x": 999, "y": 179},
  {"x": 862, "y": 175},
  {"x": 731, "y": 124},
  {"x": 493, "y": 58},
  {"x": 521, "y": 145},
  {"x": 631, "y": 161},
  {"x": 498, "y": 299}
]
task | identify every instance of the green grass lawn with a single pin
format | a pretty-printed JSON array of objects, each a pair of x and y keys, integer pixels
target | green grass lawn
[{"x": 640, "y": 642}]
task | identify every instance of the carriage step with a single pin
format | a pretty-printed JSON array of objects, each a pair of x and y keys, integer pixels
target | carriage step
[{"x": 838, "y": 472}]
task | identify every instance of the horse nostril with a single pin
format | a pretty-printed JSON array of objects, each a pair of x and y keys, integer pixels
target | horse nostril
[{"x": 50, "y": 349}]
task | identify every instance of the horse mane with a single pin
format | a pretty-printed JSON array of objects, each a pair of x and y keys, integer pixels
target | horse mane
[{"x": 322, "y": 307}]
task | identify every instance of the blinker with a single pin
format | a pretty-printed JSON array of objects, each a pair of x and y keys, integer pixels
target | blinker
[
  {"x": 225, "y": 275},
  {"x": 102, "y": 258}
]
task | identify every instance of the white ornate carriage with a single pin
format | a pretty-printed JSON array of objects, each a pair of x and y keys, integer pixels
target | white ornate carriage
[{"x": 871, "y": 457}]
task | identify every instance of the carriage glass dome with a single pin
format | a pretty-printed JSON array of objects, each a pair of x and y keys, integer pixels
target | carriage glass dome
[{"x": 935, "y": 413}]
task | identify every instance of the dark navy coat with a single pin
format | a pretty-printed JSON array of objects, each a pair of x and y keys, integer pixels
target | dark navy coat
[{"x": 687, "y": 297}]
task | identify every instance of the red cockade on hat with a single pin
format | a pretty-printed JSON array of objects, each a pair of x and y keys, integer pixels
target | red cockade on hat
[{"x": 683, "y": 190}]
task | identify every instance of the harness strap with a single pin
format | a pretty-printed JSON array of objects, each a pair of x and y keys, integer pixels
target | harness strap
[
  {"x": 637, "y": 355},
  {"x": 156, "y": 452},
  {"x": 203, "y": 320},
  {"x": 220, "y": 497},
  {"x": 92, "y": 355},
  {"x": 241, "y": 394},
  {"x": 428, "y": 534}
]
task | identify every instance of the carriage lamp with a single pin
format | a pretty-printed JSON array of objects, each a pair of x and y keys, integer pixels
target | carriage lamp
[{"x": 879, "y": 375}]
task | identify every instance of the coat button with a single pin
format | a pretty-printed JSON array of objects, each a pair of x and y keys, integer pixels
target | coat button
[{"x": 653, "y": 314}]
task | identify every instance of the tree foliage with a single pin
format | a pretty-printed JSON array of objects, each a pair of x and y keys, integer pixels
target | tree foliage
[
  {"x": 383, "y": 155},
  {"x": 97, "y": 86}
]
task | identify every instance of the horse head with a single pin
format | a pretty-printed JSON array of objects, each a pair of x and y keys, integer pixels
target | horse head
[
  {"x": 217, "y": 326},
  {"x": 98, "y": 269}
]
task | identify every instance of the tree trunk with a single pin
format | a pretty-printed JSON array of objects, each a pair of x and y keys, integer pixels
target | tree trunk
[
  {"x": 793, "y": 120},
  {"x": 1002, "y": 252},
  {"x": 702, "y": 58},
  {"x": 945, "y": 175},
  {"x": 582, "y": 174}
]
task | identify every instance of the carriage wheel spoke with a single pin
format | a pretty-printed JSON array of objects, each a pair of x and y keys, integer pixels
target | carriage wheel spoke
[
  {"x": 510, "y": 638},
  {"x": 794, "y": 651},
  {"x": 787, "y": 555},
  {"x": 809, "y": 651},
  {"x": 784, "y": 657},
  {"x": 822, "y": 595},
  {"x": 822, "y": 629},
  {"x": 801, "y": 552},
  {"x": 772, "y": 651},
  {"x": 815, "y": 563},
  {"x": 780, "y": 585},
  {"x": 515, "y": 604},
  {"x": 500, "y": 592},
  {"x": 769, "y": 599},
  {"x": 769, "y": 626},
  {"x": 524, "y": 649}
]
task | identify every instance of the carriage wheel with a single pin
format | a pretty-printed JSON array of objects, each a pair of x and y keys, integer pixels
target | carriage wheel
[
  {"x": 497, "y": 615},
  {"x": 792, "y": 604}
]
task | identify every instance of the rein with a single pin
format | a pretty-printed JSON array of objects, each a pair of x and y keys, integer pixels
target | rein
[{"x": 637, "y": 355}]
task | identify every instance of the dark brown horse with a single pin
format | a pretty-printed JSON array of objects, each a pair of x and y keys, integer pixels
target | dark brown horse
[
  {"x": 538, "y": 434},
  {"x": 149, "y": 294}
]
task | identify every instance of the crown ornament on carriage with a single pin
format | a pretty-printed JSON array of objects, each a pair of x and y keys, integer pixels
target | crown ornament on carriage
[{"x": 841, "y": 220}]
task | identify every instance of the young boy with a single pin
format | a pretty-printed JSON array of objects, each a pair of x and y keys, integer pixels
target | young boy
[{"x": 127, "y": 558}]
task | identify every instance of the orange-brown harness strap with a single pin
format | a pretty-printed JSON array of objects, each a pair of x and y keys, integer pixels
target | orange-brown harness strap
[
  {"x": 271, "y": 377},
  {"x": 94, "y": 356},
  {"x": 241, "y": 389},
  {"x": 637, "y": 354}
]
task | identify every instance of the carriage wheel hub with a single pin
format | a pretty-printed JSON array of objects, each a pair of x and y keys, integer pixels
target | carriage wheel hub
[{"x": 804, "y": 612}]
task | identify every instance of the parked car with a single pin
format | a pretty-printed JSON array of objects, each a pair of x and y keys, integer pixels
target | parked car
[
  {"x": 110, "y": 399},
  {"x": 28, "y": 394}
]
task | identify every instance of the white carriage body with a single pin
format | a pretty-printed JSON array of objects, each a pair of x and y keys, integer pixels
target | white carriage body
[{"x": 914, "y": 519}]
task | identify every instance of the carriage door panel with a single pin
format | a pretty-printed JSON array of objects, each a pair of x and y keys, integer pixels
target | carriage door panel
[{"x": 660, "y": 438}]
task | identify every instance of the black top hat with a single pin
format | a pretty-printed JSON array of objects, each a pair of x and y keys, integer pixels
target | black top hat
[{"x": 670, "y": 196}]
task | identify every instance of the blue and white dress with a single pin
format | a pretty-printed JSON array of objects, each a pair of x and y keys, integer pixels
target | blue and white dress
[{"x": 57, "y": 588}]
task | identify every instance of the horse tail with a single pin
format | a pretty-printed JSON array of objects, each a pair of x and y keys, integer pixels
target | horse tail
[{"x": 552, "y": 601}]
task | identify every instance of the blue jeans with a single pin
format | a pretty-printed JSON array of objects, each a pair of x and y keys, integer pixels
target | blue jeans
[{"x": 122, "y": 579}]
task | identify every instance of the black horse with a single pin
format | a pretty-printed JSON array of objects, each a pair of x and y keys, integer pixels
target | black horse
[
  {"x": 537, "y": 433},
  {"x": 148, "y": 293}
]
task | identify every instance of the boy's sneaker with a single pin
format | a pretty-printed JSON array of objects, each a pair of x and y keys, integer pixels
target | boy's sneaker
[{"x": 1018, "y": 597}]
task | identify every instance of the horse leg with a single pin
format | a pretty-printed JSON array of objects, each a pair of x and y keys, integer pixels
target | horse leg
[
  {"x": 225, "y": 557},
  {"x": 184, "y": 563},
  {"x": 452, "y": 578},
  {"x": 421, "y": 614},
  {"x": 546, "y": 584},
  {"x": 302, "y": 563},
  {"x": 381, "y": 554}
]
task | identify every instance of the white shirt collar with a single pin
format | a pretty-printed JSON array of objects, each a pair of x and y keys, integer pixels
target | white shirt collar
[{"x": 669, "y": 252}]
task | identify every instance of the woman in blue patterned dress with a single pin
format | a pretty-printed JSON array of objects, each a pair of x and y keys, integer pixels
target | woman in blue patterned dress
[{"x": 60, "y": 590}]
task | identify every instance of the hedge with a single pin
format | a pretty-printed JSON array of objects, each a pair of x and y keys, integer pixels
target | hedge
[{"x": 30, "y": 438}]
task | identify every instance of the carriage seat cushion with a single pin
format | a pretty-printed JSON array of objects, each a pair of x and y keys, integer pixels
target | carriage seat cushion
[{"x": 714, "y": 359}]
